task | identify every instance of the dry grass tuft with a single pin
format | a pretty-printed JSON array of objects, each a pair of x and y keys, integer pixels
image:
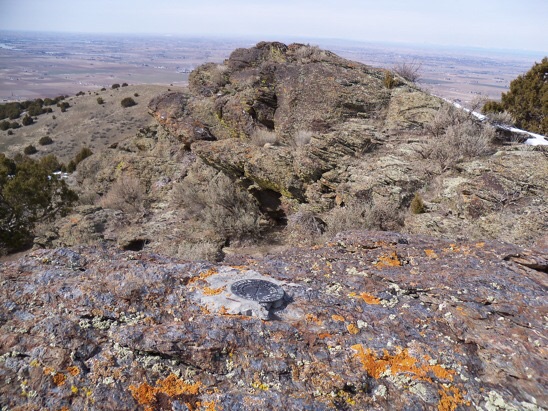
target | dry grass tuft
[{"x": 260, "y": 137}]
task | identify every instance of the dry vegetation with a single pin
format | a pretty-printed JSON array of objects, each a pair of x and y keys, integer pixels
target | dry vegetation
[
  {"x": 125, "y": 194},
  {"x": 84, "y": 123},
  {"x": 223, "y": 206},
  {"x": 455, "y": 136}
]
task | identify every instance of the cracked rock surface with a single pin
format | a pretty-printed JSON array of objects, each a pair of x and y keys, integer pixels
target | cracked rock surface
[{"x": 373, "y": 321}]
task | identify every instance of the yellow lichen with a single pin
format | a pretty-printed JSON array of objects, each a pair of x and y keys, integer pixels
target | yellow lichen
[
  {"x": 260, "y": 386},
  {"x": 74, "y": 389},
  {"x": 369, "y": 299}
]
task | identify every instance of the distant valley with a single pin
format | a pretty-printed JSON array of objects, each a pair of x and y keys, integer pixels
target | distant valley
[{"x": 38, "y": 65}]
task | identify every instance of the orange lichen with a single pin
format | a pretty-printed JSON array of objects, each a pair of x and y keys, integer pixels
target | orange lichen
[
  {"x": 450, "y": 399},
  {"x": 400, "y": 362},
  {"x": 374, "y": 366},
  {"x": 144, "y": 393},
  {"x": 352, "y": 329},
  {"x": 369, "y": 299},
  {"x": 336, "y": 317},
  {"x": 480, "y": 245},
  {"x": 312, "y": 318},
  {"x": 442, "y": 373},
  {"x": 74, "y": 371},
  {"x": 172, "y": 386},
  {"x": 207, "y": 405},
  {"x": 390, "y": 260},
  {"x": 223, "y": 310},
  {"x": 59, "y": 379},
  {"x": 322, "y": 336},
  {"x": 205, "y": 311},
  {"x": 48, "y": 370},
  {"x": 430, "y": 253},
  {"x": 204, "y": 275},
  {"x": 213, "y": 291}
]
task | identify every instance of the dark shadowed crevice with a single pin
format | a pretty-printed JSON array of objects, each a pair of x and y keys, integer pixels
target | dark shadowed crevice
[
  {"x": 135, "y": 245},
  {"x": 270, "y": 205}
]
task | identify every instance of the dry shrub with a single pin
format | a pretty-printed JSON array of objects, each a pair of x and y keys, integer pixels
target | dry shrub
[
  {"x": 310, "y": 53},
  {"x": 126, "y": 194},
  {"x": 417, "y": 205},
  {"x": 389, "y": 79},
  {"x": 203, "y": 251},
  {"x": 305, "y": 225},
  {"x": 378, "y": 215},
  {"x": 455, "y": 136},
  {"x": 261, "y": 136},
  {"x": 409, "y": 71},
  {"x": 223, "y": 206},
  {"x": 502, "y": 118},
  {"x": 302, "y": 138}
]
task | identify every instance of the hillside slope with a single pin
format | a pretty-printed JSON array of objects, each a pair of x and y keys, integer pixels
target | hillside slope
[{"x": 85, "y": 123}]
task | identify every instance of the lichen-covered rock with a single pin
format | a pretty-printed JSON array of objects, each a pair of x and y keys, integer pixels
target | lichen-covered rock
[{"x": 372, "y": 320}]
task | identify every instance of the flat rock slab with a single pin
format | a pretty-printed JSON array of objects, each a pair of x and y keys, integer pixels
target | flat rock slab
[
  {"x": 217, "y": 295},
  {"x": 371, "y": 321}
]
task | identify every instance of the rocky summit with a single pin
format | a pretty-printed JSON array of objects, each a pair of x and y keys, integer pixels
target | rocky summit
[
  {"x": 294, "y": 140},
  {"x": 368, "y": 321},
  {"x": 295, "y": 231}
]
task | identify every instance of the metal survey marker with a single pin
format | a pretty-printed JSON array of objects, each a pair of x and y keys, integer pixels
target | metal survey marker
[{"x": 261, "y": 291}]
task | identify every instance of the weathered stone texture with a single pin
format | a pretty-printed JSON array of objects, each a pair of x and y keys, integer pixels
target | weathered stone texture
[{"x": 374, "y": 320}]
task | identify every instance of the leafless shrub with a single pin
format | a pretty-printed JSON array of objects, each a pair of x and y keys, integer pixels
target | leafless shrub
[
  {"x": 503, "y": 118},
  {"x": 378, "y": 215},
  {"x": 223, "y": 206},
  {"x": 306, "y": 223},
  {"x": 88, "y": 197},
  {"x": 261, "y": 136},
  {"x": 409, "y": 71},
  {"x": 310, "y": 53},
  {"x": 455, "y": 136},
  {"x": 203, "y": 251},
  {"x": 302, "y": 138},
  {"x": 126, "y": 194},
  {"x": 219, "y": 75}
]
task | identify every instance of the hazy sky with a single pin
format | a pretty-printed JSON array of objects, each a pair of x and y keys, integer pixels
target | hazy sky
[{"x": 511, "y": 24}]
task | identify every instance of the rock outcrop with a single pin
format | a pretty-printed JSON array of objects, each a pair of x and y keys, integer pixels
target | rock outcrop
[
  {"x": 299, "y": 130},
  {"x": 371, "y": 320}
]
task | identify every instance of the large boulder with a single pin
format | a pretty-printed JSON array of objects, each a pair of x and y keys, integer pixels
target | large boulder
[{"x": 370, "y": 320}]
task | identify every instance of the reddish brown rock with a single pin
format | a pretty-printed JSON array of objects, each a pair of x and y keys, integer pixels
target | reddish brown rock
[{"x": 371, "y": 320}]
